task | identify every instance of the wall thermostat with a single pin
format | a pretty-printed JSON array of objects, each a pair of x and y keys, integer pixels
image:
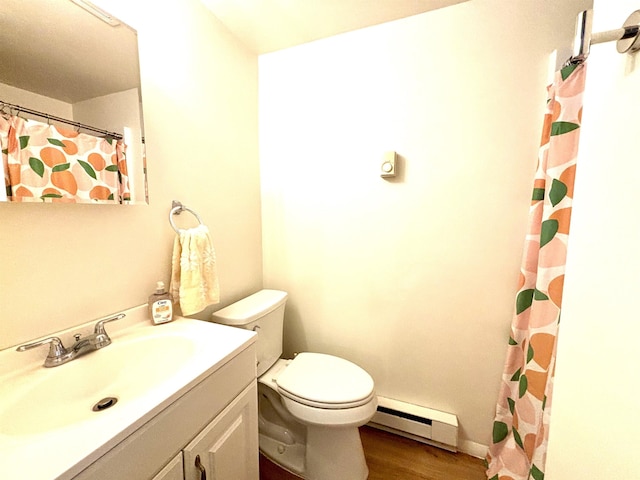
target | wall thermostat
[{"x": 388, "y": 167}]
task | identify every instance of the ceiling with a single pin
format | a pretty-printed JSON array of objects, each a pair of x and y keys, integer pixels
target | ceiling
[
  {"x": 57, "y": 49},
  {"x": 269, "y": 25},
  {"x": 67, "y": 56}
]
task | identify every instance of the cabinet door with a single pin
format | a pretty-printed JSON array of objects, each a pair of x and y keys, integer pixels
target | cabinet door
[
  {"x": 173, "y": 471},
  {"x": 227, "y": 448}
]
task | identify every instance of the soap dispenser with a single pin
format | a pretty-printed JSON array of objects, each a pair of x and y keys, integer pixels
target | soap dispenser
[{"x": 160, "y": 305}]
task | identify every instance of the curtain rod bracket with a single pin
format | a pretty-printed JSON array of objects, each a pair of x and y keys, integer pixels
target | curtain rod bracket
[
  {"x": 630, "y": 41},
  {"x": 627, "y": 37}
]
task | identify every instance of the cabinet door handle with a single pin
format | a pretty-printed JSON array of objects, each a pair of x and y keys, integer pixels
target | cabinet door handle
[{"x": 200, "y": 467}]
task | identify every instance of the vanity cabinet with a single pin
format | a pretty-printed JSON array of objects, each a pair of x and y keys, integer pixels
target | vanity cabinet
[
  {"x": 216, "y": 421},
  {"x": 227, "y": 448},
  {"x": 174, "y": 470}
]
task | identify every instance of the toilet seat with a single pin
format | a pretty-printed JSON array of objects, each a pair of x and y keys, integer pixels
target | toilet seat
[{"x": 325, "y": 381}]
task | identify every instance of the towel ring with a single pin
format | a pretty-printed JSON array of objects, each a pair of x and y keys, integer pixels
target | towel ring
[{"x": 176, "y": 209}]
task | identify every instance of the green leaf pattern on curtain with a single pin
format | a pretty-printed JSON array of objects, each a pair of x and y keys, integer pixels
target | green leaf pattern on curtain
[
  {"x": 538, "y": 295},
  {"x": 61, "y": 168},
  {"x": 88, "y": 169},
  {"x": 521, "y": 427},
  {"x": 560, "y": 128},
  {"x": 56, "y": 142},
  {"x": 558, "y": 192},
  {"x": 536, "y": 473},
  {"x": 37, "y": 166},
  {"x": 548, "y": 231},
  {"x": 524, "y": 300},
  {"x": 500, "y": 431},
  {"x": 24, "y": 141}
]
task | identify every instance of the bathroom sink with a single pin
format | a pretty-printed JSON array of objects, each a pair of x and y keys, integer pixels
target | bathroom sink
[
  {"x": 59, "y": 397},
  {"x": 48, "y": 412},
  {"x": 142, "y": 371}
]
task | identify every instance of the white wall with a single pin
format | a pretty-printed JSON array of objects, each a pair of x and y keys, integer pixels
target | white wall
[
  {"x": 35, "y": 101},
  {"x": 595, "y": 420},
  {"x": 62, "y": 265},
  {"x": 414, "y": 279}
]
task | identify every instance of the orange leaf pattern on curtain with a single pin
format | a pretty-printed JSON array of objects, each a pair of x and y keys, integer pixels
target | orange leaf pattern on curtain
[
  {"x": 521, "y": 427},
  {"x": 48, "y": 163}
]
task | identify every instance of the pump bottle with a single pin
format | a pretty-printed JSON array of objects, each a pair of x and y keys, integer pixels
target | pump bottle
[{"x": 160, "y": 305}]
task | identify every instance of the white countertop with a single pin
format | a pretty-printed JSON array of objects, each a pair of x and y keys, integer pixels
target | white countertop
[{"x": 65, "y": 450}]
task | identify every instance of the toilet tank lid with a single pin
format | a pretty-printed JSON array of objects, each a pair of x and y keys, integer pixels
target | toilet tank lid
[{"x": 250, "y": 308}]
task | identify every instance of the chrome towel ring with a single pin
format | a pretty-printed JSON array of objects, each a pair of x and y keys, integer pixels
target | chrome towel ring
[{"x": 176, "y": 209}]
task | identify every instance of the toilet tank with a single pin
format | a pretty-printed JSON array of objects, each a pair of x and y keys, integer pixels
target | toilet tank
[{"x": 262, "y": 312}]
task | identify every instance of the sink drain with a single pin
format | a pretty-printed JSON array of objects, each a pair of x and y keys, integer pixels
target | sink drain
[{"x": 105, "y": 403}]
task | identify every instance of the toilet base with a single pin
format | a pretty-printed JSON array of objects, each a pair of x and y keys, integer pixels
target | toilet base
[
  {"x": 312, "y": 443},
  {"x": 289, "y": 457},
  {"x": 330, "y": 454},
  {"x": 335, "y": 454}
]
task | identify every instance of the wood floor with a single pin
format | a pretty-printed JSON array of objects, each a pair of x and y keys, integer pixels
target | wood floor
[{"x": 391, "y": 457}]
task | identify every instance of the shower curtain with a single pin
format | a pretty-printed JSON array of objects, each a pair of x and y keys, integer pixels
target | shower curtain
[
  {"x": 43, "y": 162},
  {"x": 521, "y": 426}
]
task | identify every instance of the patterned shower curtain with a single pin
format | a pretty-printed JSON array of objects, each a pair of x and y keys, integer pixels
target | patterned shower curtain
[
  {"x": 521, "y": 427},
  {"x": 43, "y": 162}
]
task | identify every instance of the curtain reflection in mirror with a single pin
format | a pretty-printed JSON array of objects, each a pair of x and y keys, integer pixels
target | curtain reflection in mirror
[{"x": 43, "y": 162}]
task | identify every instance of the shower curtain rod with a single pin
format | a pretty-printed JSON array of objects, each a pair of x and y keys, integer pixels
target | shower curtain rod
[
  {"x": 20, "y": 108},
  {"x": 627, "y": 37}
]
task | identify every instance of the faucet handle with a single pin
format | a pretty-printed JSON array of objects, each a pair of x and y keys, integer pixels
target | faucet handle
[
  {"x": 99, "y": 328},
  {"x": 56, "y": 348}
]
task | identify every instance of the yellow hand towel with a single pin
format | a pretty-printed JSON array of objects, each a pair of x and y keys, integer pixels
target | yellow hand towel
[{"x": 194, "y": 279}]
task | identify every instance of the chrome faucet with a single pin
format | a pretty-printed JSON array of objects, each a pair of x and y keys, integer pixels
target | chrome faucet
[{"x": 59, "y": 355}]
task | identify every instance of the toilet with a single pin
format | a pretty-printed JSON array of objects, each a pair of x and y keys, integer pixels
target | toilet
[{"x": 309, "y": 407}]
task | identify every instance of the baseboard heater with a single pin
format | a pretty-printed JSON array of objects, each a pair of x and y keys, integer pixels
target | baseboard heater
[{"x": 419, "y": 423}]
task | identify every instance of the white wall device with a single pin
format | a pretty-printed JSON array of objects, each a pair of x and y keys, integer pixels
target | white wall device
[{"x": 388, "y": 167}]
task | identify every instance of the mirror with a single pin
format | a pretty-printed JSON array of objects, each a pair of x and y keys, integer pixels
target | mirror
[{"x": 60, "y": 60}]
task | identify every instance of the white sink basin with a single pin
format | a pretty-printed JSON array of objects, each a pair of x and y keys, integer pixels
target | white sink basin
[
  {"x": 60, "y": 396},
  {"x": 47, "y": 412}
]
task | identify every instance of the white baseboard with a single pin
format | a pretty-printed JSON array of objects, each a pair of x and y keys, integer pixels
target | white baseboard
[{"x": 474, "y": 449}]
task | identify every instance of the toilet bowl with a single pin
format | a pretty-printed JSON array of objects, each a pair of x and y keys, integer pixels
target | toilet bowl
[
  {"x": 309, "y": 407},
  {"x": 327, "y": 398}
]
